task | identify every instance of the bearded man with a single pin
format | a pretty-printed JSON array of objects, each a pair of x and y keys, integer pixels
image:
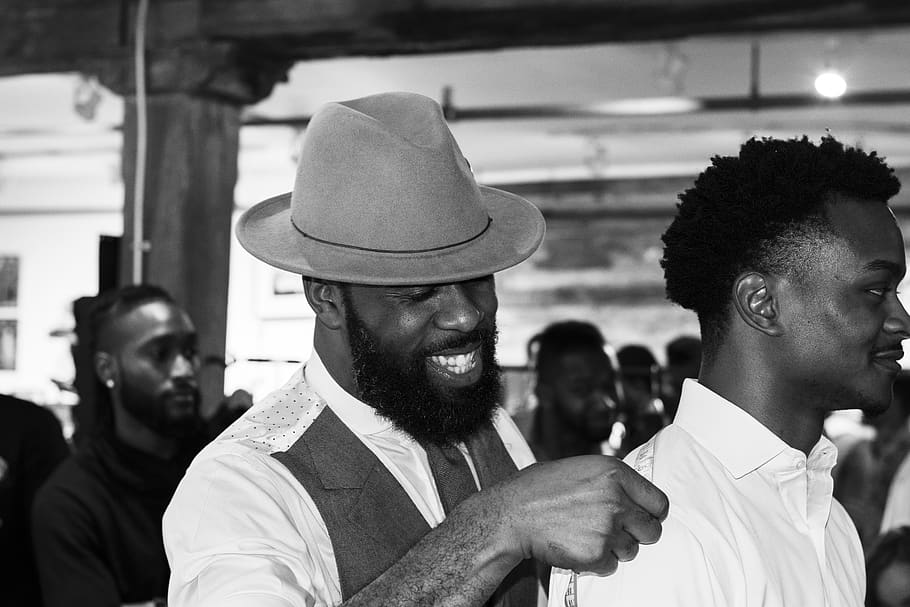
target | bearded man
[
  {"x": 96, "y": 523},
  {"x": 384, "y": 472}
]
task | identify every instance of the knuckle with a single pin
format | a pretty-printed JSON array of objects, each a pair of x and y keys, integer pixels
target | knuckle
[
  {"x": 652, "y": 531},
  {"x": 607, "y": 566},
  {"x": 644, "y": 527},
  {"x": 613, "y": 469},
  {"x": 627, "y": 551},
  {"x": 664, "y": 506}
]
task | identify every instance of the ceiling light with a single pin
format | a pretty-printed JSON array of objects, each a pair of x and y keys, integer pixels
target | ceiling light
[
  {"x": 830, "y": 84},
  {"x": 651, "y": 106}
]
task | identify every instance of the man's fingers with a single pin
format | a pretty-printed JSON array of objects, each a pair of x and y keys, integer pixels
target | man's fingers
[
  {"x": 605, "y": 566},
  {"x": 642, "y": 526},
  {"x": 625, "y": 548},
  {"x": 646, "y": 495}
]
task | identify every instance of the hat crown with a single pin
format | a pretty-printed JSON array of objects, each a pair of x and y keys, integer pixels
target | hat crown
[
  {"x": 383, "y": 196},
  {"x": 384, "y": 174}
]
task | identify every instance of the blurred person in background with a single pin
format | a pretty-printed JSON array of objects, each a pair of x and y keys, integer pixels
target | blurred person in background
[
  {"x": 894, "y": 485},
  {"x": 863, "y": 476},
  {"x": 97, "y": 520},
  {"x": 31, "y": 447},
  {"x": 576, "y": 390},
  {"x": 888, "y": 570},
  {"x": 640, "y": 374},
  {"x": 683, "y": 362}
]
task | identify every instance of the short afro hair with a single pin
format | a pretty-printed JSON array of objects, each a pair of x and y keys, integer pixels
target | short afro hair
[
  {"x": 114, "y": 303},
  {"x": 560, "y": 338},
  {"x": 762, "y": 210}
]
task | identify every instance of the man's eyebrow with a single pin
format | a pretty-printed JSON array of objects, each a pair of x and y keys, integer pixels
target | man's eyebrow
[
  {"x": 883, "y": 264},
  {"x": 169, "y": 338}
]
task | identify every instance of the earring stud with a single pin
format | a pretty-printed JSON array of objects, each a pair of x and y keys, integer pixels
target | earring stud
[{"x": 109, "y": 383}]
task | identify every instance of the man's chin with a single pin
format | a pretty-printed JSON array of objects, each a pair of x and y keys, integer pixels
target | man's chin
[
  {"x": 459, "y": 413},
  {"x": 875, "y": 408},
  {"x": 182, "y": 430},
  {"x": 181, "y": 423}
]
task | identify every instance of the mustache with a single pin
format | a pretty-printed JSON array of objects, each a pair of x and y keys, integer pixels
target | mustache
[
  {"x": 477, "y": 336},
  {"x": 183, "y": 387}
]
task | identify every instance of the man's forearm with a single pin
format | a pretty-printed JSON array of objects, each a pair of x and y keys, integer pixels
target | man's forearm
[
  {"x": 584, "y": 513},
  {"x": 458, "y": 564}
]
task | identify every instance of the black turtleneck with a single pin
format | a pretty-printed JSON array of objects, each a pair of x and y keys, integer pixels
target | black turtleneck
[{"x": 97, "y": 525}]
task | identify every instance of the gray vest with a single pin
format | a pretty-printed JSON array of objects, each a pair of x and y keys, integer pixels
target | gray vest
[{"x": 371, "y": 520}]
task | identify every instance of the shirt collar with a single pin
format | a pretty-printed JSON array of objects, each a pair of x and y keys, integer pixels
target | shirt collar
[
  {"x": 356, "y": 414},
  {"x": 738, "y": 440},
  {"x": 823, "y": 455}
]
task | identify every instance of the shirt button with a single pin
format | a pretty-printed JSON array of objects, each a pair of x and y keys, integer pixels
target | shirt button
[{"x": 800, "y": 465}]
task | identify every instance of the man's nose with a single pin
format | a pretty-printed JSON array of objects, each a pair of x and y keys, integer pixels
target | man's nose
[
  {"x": 457, "y": 310},
  {"x": 899, "y": 321},
  {"x": 185, "y": 365}
]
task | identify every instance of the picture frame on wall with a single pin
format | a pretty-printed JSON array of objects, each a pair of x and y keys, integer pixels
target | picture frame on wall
[
  {"x": 9, "y": 302},
  {"x": 281, "y": 295},
  {"x": 9, "y": 280},
  {"x": 8, "y": 338}
]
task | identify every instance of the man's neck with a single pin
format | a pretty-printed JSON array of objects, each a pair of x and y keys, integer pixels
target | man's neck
[
  {"x": 794, "y": 421},
  {"x": 337, "y": 361},
  {"x": 134, "y": 433}
]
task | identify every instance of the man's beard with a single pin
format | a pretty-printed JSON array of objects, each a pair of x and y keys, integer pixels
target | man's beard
[
  {"x": 155, "y": 412},
  {"x": 400, "y": 388}
]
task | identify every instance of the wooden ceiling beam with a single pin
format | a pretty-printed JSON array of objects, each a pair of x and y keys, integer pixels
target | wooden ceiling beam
[{"x": 65, "y": 35}]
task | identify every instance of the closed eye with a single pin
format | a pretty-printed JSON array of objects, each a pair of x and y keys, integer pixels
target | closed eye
[{"x": 417, "y": 294}]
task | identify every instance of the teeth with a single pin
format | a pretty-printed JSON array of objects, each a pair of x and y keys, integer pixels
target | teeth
[{"x": 457, "y": 364}]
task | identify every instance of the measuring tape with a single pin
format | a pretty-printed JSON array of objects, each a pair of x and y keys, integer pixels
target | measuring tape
[{"x": 644, "y": 465}]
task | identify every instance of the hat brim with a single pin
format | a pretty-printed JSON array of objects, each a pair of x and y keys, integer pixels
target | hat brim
[{"x": 516, "y": 230}]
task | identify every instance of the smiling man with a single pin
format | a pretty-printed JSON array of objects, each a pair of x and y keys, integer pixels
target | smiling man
[
  {"x": 791, "y": 258},
  {"x": 384, "y": 472}
]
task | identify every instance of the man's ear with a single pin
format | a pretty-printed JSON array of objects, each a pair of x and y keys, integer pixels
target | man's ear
[
  {"x": 754, "y": 298},
  {"x": 327, "y": 301},
  {"x": 543, "y": 392},
  {"x": 105, "y": 369}
]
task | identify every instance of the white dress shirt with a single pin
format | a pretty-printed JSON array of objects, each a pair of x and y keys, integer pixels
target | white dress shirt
[
  {"x": 752, "y": 521},
  {"x": 241, "y": 530}
]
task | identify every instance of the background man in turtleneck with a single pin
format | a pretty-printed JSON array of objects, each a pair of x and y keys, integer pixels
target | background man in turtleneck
[{"x": 97, "y": 521}]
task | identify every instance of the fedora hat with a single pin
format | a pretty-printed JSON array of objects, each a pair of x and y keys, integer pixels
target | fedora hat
[{"x": 383, "y": 196}]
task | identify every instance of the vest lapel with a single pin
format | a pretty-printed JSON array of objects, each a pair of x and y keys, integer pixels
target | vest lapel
[
  {"x": 493, "y": 464},
  {"x": 370, "y": 518}
]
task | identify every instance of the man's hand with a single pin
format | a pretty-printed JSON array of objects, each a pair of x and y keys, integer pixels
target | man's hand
[{"x": 582, "y": 513}]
